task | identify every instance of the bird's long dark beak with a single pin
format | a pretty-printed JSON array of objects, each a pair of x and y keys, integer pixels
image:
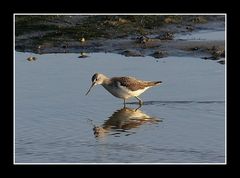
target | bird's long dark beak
[{"x": 90, "y": 88}]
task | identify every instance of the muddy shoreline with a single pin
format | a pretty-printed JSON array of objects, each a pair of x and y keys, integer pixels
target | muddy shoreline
[{"x": 126, "y": 35}]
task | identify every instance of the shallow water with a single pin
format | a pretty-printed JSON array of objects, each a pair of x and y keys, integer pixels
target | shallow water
[
  {"x": 203, "y": 35},
  {"x": 181, "y": 121}
]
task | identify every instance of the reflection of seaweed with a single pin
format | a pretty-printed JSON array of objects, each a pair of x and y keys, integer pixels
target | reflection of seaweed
[{"x": 123, "y": 120}]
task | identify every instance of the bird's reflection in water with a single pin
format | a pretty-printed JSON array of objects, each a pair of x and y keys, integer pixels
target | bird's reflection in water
[{"x": 122, "y": 121}]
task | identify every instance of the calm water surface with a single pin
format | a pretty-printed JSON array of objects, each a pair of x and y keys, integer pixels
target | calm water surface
[
  {"x": 182, "y": 121},
  {"x": 203, "y": 35}
]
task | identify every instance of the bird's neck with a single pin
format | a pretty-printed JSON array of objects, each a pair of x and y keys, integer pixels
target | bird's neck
[{"x": 106, "y": 80}]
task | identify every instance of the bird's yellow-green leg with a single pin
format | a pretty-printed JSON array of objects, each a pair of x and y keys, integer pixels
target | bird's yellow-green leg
[
  {"x": 140, "y": 101},
  {"x": 124, "y": 102}
]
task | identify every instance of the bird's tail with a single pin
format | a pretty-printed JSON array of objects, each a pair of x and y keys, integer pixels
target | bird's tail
[
  {"x": 157, "y": 82},
  {"x": 154, "y": 83}
]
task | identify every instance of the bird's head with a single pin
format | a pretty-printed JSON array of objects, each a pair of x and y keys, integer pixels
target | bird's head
[{"x": 97, "y": 79}]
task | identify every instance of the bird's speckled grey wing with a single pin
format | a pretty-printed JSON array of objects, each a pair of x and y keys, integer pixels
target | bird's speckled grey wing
[{"x": 131, "y": 83}]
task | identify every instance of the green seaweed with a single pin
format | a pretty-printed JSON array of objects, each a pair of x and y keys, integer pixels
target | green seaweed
[{"x": 58, "y": 28}]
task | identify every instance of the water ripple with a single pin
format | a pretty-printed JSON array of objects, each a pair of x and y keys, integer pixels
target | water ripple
[{"x": 178, "y": 102}]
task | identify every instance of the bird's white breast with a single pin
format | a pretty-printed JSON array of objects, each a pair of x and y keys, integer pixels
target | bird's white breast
[{"x": 122, "y": 91}]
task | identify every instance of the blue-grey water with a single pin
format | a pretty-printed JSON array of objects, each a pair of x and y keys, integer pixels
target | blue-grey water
[
  {"x": 182, "y": 120},
  {"x": 203, "y": 35}
]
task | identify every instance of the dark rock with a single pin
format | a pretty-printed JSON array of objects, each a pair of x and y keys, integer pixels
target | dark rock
[
  {"x": 131, "y": 53},
  {"x": 31, "y": 58},
  {"x": 217, "y": 53},
  {"x": 83, "y": 55},
  {"x": 65, "y": 46},
  {"x": 166, "y": 36},
  {"x": 207, "y": 57},
  {"x": 159, "y": 54},
  {"x": 199, "y": 19},
  {"x": 142, "y": 39},
  {"x": 194, "y": 49},
  {"x": 189, "y": 28},
  {"x": 221, "y": 61}
]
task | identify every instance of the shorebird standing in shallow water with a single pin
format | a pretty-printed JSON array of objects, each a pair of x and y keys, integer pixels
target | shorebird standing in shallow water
[{"x": 123, "y": 87}]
